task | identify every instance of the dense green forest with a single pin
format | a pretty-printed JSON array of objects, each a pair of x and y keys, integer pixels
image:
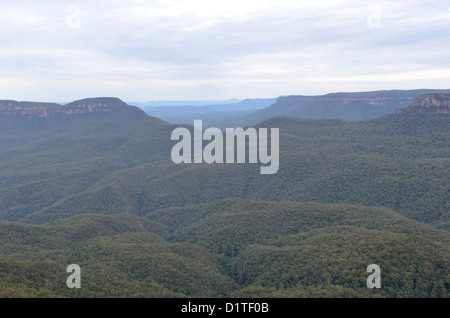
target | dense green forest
[
  {"x": 230, "y": 248},
  {"x": 394, "y": 162},
  {"x": 100, "y": 190}
]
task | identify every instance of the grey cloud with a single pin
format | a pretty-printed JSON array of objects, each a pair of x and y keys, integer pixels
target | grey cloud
[{"x": 137, "y": 44}]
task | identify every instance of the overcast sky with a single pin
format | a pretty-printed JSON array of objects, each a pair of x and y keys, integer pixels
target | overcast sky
[{"x": 206, "y": 49}]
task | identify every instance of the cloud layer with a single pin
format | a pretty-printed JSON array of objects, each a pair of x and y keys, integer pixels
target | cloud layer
[{"x": 208, "y": 49}]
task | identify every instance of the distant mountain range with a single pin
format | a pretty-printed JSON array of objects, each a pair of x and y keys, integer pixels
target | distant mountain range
[
  {"x": 170, "y": 103},
  {"x": 214, "y": 115},
  {"x": 345, "y": 106}
]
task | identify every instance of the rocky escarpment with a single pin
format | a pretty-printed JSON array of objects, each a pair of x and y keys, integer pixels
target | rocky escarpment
[
  {"x": 346, "y": 106},
  {"x": 28, "y": 109},
  {"x": 42, "y": 110},
  {"x": 429, "y": 104}
]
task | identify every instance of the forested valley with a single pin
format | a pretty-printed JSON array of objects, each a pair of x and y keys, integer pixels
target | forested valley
[{"x": 92, "y": 183}]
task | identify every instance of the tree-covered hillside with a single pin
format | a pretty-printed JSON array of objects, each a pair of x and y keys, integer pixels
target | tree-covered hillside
[
  {"x": 230, "y": 248},
  {"x": 400, "y": 162}
]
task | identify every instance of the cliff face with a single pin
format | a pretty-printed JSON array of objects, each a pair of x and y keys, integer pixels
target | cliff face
[
  {"x": 429, "y": 104},
  {"x": 350, "y": 106},
  {"x": 343, "y": 100},
  {"x": 28, "y": 109},
  {"x": 42, "y": 110}
]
